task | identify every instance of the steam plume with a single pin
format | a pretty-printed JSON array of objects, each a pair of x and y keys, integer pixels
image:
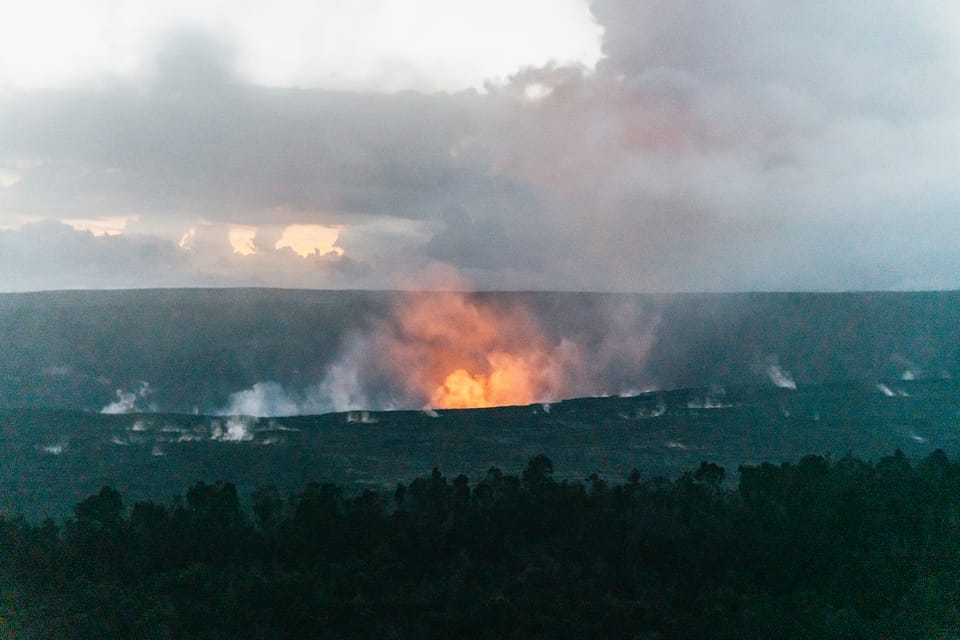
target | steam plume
[
  {"x": 448, "y": 350},
  {"x": 128, "y": 401}
]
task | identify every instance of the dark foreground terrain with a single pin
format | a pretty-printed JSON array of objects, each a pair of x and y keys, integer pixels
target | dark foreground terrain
[
  {"x": 295, "y": 527},
  {"x": 815, "y": 549}
]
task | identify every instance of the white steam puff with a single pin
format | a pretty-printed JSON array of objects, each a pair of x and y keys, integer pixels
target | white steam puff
[
  {"x": 340, "y": 391},
  {"x": 779, "y": 377},
  {"x": 237, "y": 429},
  {"x": 129, "y": 401},
  {"x": 891, "y": 393},
  {"x": 55, "y": 449},
  {"x": 361, "y": 417},
  {"x": 262, "y": 399}
]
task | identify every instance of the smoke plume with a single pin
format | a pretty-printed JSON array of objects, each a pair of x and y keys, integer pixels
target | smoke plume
[{"x": 455, "y": 350}]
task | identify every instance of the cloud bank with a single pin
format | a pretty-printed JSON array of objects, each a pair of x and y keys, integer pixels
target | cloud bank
[{"x": 744, "y": 147}]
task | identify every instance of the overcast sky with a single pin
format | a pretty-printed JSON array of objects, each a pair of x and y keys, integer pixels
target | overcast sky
[{"x": 631, "y": 145}]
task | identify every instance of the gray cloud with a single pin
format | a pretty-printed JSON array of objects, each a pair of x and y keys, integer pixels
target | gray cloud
[
  {"x": 884, "y": 57},
  {"x": 53, "y": 255},
  {"x": 235, "y": 152},
  {"x": 748, "y": 146}
]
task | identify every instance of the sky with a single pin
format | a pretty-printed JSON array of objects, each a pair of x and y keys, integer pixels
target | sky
[{"x": 613, "y": 145}]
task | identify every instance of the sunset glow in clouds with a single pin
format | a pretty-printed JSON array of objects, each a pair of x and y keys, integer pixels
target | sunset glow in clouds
[
  {"x": 105, "y": 226},
  {"x": 241, "y": 239},
  {"x": 310, "y": 239},
  {"x": 563, "y": 144}
]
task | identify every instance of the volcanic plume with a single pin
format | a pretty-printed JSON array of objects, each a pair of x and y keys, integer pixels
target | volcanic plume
[{"x": 458, "y": 351}]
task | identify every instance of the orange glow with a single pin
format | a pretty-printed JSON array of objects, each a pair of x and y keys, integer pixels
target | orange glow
[
  {"x": 461, "y": 391},
  {"x": 457, "y": 352},
  {"x": 510, "y": 382},
  {"x": 308, "y": 239}
]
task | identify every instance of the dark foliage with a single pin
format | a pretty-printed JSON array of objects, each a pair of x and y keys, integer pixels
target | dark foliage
[{"x": 817, "y": 549}]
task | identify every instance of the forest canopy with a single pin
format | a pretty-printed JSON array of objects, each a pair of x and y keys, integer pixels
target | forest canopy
[{"x": 820, "y": 548}]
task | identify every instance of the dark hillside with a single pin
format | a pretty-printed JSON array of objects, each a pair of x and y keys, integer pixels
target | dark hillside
[{"x": 194, "y": 347}]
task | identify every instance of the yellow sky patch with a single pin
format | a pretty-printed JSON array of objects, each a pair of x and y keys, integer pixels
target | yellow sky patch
[
  {"x": 241, "y": 239},
  {"x": 102, "y": 226},
  {"x": 310, "y": 239}
]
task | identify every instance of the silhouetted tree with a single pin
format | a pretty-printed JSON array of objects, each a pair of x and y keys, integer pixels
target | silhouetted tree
[
  {"x": 538, "y": 473},
  {"x": 816, "y": 549}
]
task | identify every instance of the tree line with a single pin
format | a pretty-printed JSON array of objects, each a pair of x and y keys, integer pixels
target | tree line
[{"x": 820, "y": 548}]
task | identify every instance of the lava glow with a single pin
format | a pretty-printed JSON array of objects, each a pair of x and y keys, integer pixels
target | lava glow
[
  {"x": 459, "y": 352},
  {"x": 509, "y": 382}
]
